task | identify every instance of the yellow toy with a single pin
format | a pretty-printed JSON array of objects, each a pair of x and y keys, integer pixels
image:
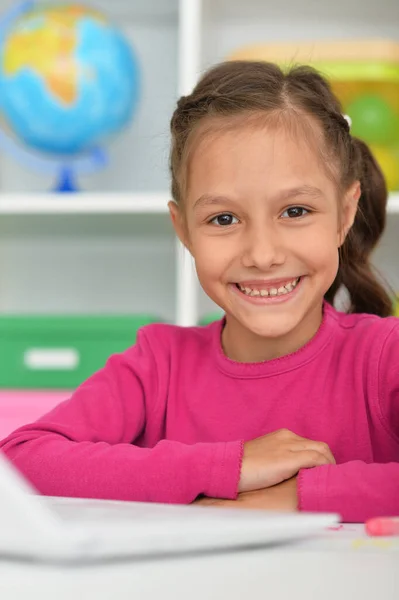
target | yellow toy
[{"x": 364, "y": 74}]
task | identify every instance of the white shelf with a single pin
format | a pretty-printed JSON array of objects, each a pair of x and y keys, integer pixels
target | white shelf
[
  {"x": 95, "y": 203},
  {"x": 83, "y": 203}
]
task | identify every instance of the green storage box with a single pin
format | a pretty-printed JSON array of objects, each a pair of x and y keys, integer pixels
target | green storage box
[
  {"x": 210, "y": 318},
  {"x": 61, "y": 351}
]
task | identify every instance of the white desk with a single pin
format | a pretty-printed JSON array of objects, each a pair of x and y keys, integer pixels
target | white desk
[{"x": 341, "y": 565}]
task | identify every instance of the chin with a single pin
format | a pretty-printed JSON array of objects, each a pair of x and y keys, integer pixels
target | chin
[
  {"x": 273, "y": 330},
  {"x": 270, "y": 326}
]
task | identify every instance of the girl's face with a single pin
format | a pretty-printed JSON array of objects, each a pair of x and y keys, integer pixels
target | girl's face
[{"x": 261, "y": 220}]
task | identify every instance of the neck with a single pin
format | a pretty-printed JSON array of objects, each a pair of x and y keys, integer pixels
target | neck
[{"x": 242, "y": 345}]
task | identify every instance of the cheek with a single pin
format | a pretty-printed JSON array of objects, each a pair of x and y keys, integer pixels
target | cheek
[
  {"x": 211, "y": 256},
  {"x": 321, "y": 251}
]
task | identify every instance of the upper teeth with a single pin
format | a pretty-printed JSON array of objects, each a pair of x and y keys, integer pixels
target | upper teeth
[{"x": 285, "y": 289}]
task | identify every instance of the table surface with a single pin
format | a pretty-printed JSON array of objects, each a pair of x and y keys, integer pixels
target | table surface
[{"x": 342, "y": 563}]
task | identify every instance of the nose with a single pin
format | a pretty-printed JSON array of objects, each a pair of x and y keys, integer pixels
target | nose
[{"x": 263, "y": 248}]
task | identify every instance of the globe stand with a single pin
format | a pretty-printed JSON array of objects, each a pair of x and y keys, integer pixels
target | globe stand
[{"x": 66, "y": 181}]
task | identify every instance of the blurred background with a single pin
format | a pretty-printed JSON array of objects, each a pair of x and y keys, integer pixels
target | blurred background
[{"x": 87, "y": 253}]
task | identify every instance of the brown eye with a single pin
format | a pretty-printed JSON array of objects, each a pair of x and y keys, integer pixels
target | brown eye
[
  {"x": 295, "y": 212},
  {"x": 224, "y": 220}
]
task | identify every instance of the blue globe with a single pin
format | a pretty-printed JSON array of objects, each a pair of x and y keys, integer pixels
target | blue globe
[{"x": 68, "y": 79}]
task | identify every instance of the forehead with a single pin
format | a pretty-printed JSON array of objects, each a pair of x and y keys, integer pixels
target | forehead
[{"x": 249, "y": 156}]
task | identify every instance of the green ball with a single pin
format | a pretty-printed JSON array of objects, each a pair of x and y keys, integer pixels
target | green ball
[{"x": 374, "y": 120}]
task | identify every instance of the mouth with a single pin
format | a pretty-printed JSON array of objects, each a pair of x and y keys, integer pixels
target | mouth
[{"x": 263, "y": 293}]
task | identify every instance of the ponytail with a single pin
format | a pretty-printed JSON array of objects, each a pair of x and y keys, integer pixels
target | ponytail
[{"x": 367, "y": 294}]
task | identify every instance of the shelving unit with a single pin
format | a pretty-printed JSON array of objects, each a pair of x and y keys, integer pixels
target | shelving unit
[
  {"x": 93, "y": 204},
  {"x": 112, "y": 248}
]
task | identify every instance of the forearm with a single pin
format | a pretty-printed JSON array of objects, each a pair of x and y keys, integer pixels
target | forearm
[
  {"x": 280, "y": 497},
  {"x": 355, "y": 490},
  {"x": 170, "y": 472}
]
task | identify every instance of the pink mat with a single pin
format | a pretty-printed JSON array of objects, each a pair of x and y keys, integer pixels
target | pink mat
[{"x": 19, "y": 407}]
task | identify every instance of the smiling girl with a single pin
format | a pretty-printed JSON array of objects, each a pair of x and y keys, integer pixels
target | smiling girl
[{"x": 285, "y": 403}]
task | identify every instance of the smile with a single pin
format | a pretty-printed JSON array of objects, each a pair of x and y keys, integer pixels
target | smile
[
  {"x": 268, "y": 295},
  {"x": 265, "y": 292}
]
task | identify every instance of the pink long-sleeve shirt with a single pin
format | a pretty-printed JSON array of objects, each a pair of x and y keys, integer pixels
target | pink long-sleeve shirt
[{"x": 166, "y": 420}]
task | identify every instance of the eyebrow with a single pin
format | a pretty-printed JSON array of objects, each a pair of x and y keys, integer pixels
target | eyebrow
[{"x": 304, "y": 190}]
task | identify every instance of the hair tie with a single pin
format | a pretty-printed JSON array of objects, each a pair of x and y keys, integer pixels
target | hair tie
[{"x": 348, "y": 120}]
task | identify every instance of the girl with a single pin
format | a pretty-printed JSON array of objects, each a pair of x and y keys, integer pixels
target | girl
[{"x": 285, "y": 403}]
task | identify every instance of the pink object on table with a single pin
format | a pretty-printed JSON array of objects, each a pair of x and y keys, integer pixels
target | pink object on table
[
  {"x": 20, "y": 407},
  {"x": 382, "y": 526}
]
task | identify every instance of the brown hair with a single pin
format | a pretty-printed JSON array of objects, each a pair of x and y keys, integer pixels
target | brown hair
[{"x": 239, "y": 87}]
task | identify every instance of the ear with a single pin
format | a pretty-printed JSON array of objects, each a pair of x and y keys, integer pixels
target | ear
[
  {"x": 178, "y": 222},
  {"x": 349, "y": 209}
]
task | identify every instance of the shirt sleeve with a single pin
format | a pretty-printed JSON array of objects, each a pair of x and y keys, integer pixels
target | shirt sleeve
[
  {"x": 357, "y": 490},
  {"x": 85, "y": 447}
]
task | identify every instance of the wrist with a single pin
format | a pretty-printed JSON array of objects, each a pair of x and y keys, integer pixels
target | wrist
[
  {"x": 226, "y": 461},
  {"x": 291, "y": 495}
]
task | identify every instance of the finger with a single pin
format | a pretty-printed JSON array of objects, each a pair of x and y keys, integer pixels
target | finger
[
  {"x": 310, "y": 458},
  {"x": 320, "y": 447}
]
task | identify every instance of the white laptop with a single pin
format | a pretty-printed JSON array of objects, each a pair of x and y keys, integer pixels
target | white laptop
[{"x": 75, "y": 530}]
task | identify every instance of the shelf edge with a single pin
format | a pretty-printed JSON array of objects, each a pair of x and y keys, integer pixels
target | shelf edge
[
  {"x": 52, "y": 204},
  {"x": 87, "y": 203}
]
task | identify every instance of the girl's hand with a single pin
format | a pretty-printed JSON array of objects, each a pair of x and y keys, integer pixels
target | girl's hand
[
  {"x": 282, "y": 497},
  {"x": 278, "y": 456}
]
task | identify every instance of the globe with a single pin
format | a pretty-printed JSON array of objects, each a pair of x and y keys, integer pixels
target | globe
[{"x": 68, "y": 79}]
